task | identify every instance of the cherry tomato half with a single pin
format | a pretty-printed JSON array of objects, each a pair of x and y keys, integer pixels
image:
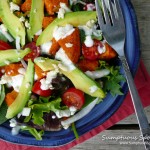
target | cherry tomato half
[
  {"x": 4, "y": 45},
  {"x": 35, "y": 51},
  {"x": 37, "y": 90},
  {"x": 91, "y": 53},
  {"x": 73, "y": 97}
]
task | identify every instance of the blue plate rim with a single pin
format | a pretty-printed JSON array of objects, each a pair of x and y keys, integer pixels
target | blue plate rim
[{"x": 116, "y": 106}]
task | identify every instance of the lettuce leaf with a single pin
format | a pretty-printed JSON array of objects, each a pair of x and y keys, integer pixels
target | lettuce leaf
[
  {"x": 111, "y": 83},
  {"x": 37, "y": 110},
  {"x": 34, "y": 132}
]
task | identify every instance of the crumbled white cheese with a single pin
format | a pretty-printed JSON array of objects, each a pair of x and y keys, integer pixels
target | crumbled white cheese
[
  {"x": 61, "y": 55},
  {"x": 62, "y": 32},
  {"x": 69, "y": 45},
  {"x": 88, "y": 41},
  {"x": 101, "y": 50},
  {"x": 62, "y": 10},
  {"x": 22, "y": 19},
  {"x": 90, "y": 7},
  {"x": 13, "y": 122},
  {"x": 46, "y": 83},
  {"x": 14, "y": 81},
  {"x": 93, "y": 89},
  {"x": 27, "y": 25},
  {"x": 14, "y": 7},
  {"x": 26, "y": 111},
  {"x": 72, "y": 110},
  {"x": 86, "y": 29},
  {"x": 65, "y": 7},
  {"x": 5, "y": 79},
  {"x": 63, "y": 113},
  {"x": 61, "y": 13},
  {"x": 16, "y": 85},
  {"x": 45, "y": 48}
]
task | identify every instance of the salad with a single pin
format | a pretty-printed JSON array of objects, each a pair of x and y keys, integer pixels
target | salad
[{"x": 55, "y": 65}]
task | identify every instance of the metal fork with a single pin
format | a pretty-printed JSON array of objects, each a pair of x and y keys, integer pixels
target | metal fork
[{"x": 111, "y": 22}]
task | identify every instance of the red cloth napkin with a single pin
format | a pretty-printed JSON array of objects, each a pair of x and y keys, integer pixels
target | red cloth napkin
[{"x": 142, "y": 81}]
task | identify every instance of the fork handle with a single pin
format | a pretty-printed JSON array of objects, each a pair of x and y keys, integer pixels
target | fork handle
[{"x": 140, "y": 114}]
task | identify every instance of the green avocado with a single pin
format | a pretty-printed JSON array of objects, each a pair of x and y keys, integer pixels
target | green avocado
[
  {"x": 46, "y": 64},
  {"x": 79, "y": 79},
  {"x": 24, "y": 92},
  {"x": 36, "y": 18},
  {"x": 12, "y": 55},
  {"x": 73, "y": 18},
  {"x": 12, "y": 22}
]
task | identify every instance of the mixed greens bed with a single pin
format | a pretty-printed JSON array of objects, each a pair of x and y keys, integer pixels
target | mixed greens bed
[{"x": 55, "y": 65}]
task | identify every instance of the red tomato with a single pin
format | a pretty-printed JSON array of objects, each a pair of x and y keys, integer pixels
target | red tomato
[
  {"x": 73, "y": 97},
  {"x": 4, "y": 45},
  {"x": 37, "y": 90},
  {"x": 35, "y": 51},
  {"x": 91, "y": 53}
]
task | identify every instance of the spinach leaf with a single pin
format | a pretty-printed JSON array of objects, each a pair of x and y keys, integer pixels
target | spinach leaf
[{"x": 3, "y": 110}]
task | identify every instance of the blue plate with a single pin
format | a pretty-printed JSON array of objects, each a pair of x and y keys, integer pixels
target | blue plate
[{"x": 102, "y": 111}]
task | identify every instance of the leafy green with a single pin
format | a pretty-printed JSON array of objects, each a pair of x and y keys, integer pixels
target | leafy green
[
  {"x": 112, "y": 81},
  {"x": 77, "y": 7},
  {"x": 34, "y": 132},
  {"x": 2, "y": 94},
  {"x": 82, "y": 35},
  {"x": 37, "y": 111},
  {"x": 100, "y": 37},
  {"x": 3, "y": 110},
  {"x": 44, "y": 99},
  {"x": 3, "y": 106},
  {"x": 73, "y": 127}
]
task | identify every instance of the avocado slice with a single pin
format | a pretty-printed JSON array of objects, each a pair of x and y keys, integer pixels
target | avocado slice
[
  {"x": 12, "y": 55},
  {"x": 79, "y": 79},
  {"x": 24, "y": 92},
  {"x": 73, "y": 18},
  {"x": 46, "y": 64},
  {"x": 36, "y": 17},
  {"x": 12, "y": 22}
]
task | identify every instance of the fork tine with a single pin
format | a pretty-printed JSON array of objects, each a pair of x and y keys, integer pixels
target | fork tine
[
  {"x": 106, "y": 15},
  {"x": 118, "y": 9},
  {"x": 100, "y": 16},
  {"x": 111, "y": 11}
]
